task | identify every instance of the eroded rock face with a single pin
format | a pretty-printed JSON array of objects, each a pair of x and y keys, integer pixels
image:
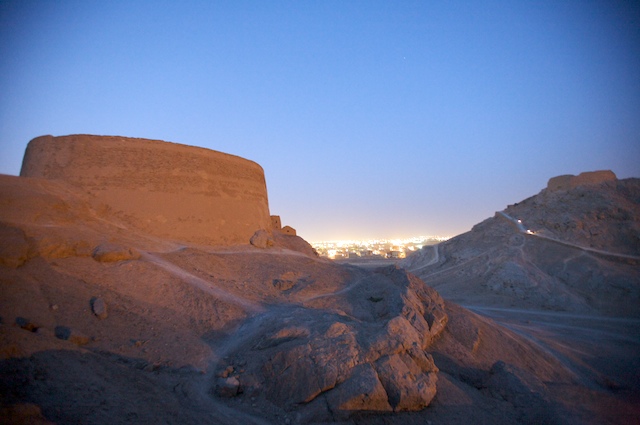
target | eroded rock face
[
  {"x": 165, "y": 189},
  {"x": 363, "y": 350}
]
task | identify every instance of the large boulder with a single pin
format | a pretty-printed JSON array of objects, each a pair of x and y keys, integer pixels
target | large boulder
[{"x": 363, "y": 349}]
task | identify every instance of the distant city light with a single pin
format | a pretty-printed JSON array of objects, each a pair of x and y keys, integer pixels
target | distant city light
[{"x": 374, "y": 248}]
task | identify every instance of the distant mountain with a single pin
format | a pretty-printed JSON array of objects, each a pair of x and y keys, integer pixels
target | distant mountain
[{"x": 574, "y": 247}]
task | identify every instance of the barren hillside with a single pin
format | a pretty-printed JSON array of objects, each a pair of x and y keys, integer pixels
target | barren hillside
[
  {"x": 574, "y": 249},
  {"x": 102, "y": 322}
]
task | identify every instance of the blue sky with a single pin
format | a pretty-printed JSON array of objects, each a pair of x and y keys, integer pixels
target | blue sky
[{"x": 370, "y": 118}]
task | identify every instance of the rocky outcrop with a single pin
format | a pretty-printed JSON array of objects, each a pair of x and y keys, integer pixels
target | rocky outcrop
[
  {"x": 165, "y": 189},
  {"x": 363, "y": 351},
  {"x": 68, "y": 334}
]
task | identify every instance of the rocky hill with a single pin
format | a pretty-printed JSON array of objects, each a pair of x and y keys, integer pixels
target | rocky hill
[
  {"x": 573, "y": 247},
  {"x": 104, "y": 321}
]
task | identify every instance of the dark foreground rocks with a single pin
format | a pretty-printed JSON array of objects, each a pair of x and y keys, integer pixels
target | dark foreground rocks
[{"x": 362, "y": 350}]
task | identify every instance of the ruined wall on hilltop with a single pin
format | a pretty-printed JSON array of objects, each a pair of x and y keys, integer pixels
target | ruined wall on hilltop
[
  {"x": 569, "y": 181},
  {"x": 165, "y": 189}
]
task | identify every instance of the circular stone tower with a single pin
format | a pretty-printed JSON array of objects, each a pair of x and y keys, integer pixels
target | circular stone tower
[{"x": 168, "y": 190}]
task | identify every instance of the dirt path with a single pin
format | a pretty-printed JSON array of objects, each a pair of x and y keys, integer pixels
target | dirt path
[
  {"x": 202, "y": 284},
  {"x": 521, "y": 228},
  {"x": 602, "y": 351}
]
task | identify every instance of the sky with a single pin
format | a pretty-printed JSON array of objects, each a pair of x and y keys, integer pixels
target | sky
[{"x": 371, "y": 119}]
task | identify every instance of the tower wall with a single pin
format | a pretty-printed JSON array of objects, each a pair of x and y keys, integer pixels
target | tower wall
[{"x": 165, "y": 189}]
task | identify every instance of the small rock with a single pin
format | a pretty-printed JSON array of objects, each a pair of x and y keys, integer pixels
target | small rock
[
  {"x": 67, "y": 334},
  {"x": 261, "y": 239},
  {"x": 228, "y": 387},
  {"x": 99, "y": 308},
  {"x": 225, "y": 373},
  {"x": 361, "y": 391},
  {"x": 26, "y": 324},
  {"x": 283, "y": 284}
]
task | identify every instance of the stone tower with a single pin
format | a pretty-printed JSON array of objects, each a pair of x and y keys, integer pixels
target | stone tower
[{"x": 168, "y": 190}]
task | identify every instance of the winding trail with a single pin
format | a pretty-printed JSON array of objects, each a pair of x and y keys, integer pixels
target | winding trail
[
  {"x": 259, "y": 318},
  {"x": 434, "y": 260},
  {"x": 344, "y": 290},
  {"x": 203, "y": 285},
  {"x": 607, "y": 254},
  {"x": 452, "y": 268}
]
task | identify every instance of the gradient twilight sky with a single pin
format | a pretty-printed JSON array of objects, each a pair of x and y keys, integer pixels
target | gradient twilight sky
[{"x": 370, "y": 118}]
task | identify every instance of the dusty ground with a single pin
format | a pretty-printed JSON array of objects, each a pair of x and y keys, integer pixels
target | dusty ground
[{"x": 178, "y": 316}]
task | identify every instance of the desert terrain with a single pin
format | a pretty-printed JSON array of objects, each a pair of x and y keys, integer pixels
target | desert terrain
[{"x": 105, "y": 319}]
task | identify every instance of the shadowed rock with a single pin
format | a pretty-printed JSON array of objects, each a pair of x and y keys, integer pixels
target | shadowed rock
[
  {"x": 68, "y": 334},
  {"x": 344, "y": 352},
  {"x": 227, "y": 387},
  {"x": 109, "y": 252},
  {"x": 99, "y": 308},
  {"x": 261, "y": 239}
]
